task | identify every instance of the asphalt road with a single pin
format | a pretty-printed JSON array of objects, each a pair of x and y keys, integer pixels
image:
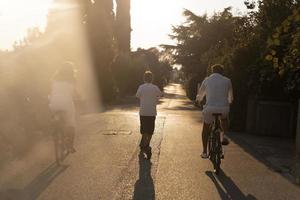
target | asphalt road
[{"x": 107, "y": 164}]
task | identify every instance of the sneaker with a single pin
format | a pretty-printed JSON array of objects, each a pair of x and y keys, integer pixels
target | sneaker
[
  {"x": 204, "y": 155},
  {"x": 222, "y": 155},
  {"x": 149, "y": 152},
  {"x": 142, "y": 149},
  {"x": 225, "y": 141}
]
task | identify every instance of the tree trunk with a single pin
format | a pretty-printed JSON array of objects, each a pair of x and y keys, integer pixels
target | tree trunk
[
  {"x": 123, "y": 26},
  {"x": 100, "y": 22}
]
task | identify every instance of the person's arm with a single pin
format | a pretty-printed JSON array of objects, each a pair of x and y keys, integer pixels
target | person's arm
[
  {"x": 230, "y": 93},
  {"x": 138, "y": 93},
  {"x": 77, "y": 97},
  {"x": 159, "y": 93},
  {"x": 201, "y": 91}
]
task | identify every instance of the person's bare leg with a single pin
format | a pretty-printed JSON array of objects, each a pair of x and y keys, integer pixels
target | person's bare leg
[
  {"x": 147, "y": 146},
  {"x": 145, "y": 141},
  {"x": 148, "y": 139},
  {"x": 142, "y": 143},
  {"x": 205, "y": 132},
  {"x": 225, "y": 129},
  {"x": 225, "y": 125},
  {"x": 70, "y": 136}
]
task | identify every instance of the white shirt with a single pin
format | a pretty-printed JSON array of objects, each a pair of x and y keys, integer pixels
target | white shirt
[
  {"x": 148, "y": 95},
  {"x": 217, "y": 89},
  {"x": 61, "y": 96}
]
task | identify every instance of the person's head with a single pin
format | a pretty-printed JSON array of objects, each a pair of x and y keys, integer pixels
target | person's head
[
  {"x": 148, "y": 77},
  {"x": 65, "y": 73},
  {"x": 217, "y": 68}
]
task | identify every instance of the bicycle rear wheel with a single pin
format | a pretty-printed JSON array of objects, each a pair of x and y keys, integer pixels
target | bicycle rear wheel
[
  {"x": 212, "y": 146},
  {"x": 218, "y": 153},
  {"x": 58, "y": 137}
]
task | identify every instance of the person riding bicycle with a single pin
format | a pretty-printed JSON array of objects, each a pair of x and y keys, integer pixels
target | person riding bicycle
[
  {"x": 61, "y": 101},
  {"x": 219, "y": 95}
]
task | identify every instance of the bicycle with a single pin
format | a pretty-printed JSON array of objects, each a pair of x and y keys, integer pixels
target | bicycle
[
  {"x": 214, "y": 143},
  {"x": 59, "y": 137}
]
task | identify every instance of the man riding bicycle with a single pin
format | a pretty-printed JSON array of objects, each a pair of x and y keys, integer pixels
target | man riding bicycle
[{"x": 219, "y": 95}]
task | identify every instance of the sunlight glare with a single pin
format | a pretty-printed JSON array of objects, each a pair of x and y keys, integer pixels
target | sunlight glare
[
  {"x": 152, "y": 20},
  {"x": 16, "y": 16},
  {"x": 149, "y": 20}
]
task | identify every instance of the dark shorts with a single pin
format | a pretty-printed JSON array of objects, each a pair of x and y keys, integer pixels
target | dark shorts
[{"x": 147, "y": 124}]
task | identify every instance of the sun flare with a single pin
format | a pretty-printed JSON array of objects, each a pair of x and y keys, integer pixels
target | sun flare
[
  {"x": 148, "y": 19},
  {"x": 152, "y": 20},
  {"x": 16, "y": 16}
]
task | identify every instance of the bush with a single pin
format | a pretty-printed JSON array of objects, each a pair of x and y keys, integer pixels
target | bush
[{"x": 191, "y": 87}]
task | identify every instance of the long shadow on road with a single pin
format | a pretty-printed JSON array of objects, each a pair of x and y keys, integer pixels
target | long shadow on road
[
  {"x": 144, "y": 186},
  {"x": 227, "y": 189},
  {"x": 36, "y": 186}
]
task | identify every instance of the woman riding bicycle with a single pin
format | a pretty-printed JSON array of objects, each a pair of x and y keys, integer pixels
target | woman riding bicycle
[{"x": 61, "y": 102}]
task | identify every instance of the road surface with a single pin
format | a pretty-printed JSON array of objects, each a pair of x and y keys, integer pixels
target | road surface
[{"x": 107, "y": 166}]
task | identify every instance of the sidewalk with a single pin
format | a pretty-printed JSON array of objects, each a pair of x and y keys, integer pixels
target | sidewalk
[{"x": 276, "y": 153}]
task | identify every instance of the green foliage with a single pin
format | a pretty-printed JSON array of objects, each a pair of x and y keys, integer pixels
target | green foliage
[
  {"x": 271, "y": 13},
  {"x": 256, "y": 65},
  {"x": 129, "y": 70},
  {"x": 127, "y": 73},
  {"x": 283, "y": 52},
  {"x": 191, "y": 86},
  {"x": 203, "y": 41}
]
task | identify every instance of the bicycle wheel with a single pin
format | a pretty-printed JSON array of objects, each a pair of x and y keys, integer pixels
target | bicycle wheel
[
  {"x": 218, "y": 152},
  {"x": 58, "y": 138},
  {"x": 57, "y": 151},
  {"x": 210, "y": 147},
  {"x": 212, "y": 151}
]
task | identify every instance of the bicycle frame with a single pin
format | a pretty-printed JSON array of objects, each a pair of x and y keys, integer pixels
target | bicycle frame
[
  {"x": 59, "y": 137},
  {"x": 214, "y": 143}
]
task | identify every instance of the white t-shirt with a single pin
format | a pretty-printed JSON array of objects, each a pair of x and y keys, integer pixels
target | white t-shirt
[
  {"x": 148, "y": 95},
  {"x": 61, "y": 99},
  {"x": 217, "y": 89},
  {"x": 219, "y": 94}
]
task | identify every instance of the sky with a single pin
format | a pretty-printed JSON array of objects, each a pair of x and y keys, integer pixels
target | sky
[
  {"x": 16, "y": 16},
  {"x": 152, "y": 20}
]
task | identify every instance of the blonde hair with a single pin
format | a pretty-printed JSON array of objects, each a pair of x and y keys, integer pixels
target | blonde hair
[
  {"x": 65, "y": 73},
  {"x": 217, "y": 68},
  {"x": 148, "y": 76}
]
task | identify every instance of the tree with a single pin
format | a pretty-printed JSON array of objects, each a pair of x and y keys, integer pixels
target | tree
[
  {"x": 100, "y": 31},
  {"x": 283, "y": 52},
  {"x": 128, "y": 70},
  {"x": 223, "y": 38},
  {"x": 123, "y": 26}
]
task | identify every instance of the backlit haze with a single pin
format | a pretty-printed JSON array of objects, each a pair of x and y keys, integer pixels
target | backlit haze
[{"x": 151, "y": 20}]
